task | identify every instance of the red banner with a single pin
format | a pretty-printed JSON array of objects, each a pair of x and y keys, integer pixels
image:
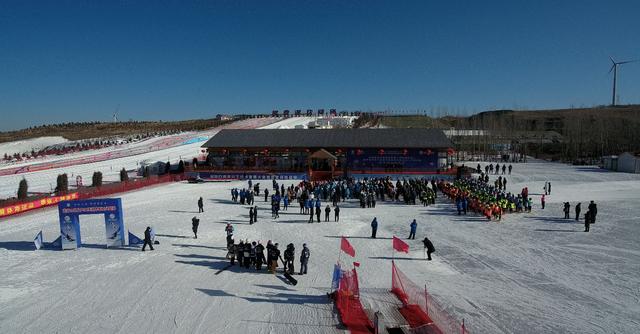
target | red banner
[
  {"x": 346, "y": 247},
  {"x": 22, "y": 207},
  {"x": 400, "y": 245}
]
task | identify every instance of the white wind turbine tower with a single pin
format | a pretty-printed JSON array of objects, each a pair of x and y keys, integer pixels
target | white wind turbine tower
[{"x": 614, "y": 68}]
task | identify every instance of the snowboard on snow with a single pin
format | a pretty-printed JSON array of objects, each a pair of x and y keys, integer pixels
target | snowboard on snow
[{"x": 290, "y": 278}]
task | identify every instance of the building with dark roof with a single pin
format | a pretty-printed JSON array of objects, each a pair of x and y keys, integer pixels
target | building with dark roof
[{"x": 330, "y": 152}]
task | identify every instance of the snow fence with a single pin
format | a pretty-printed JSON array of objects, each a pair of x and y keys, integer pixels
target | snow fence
[
  {"x": 347, "y": 299},
  {"x": 423, "y": 313}
]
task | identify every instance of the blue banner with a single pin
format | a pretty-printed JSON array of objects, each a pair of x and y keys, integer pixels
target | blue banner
[
  {"x": 392, "y": 159},
  {"x": 337, "y": 274},
  {"x": 38, "y": 240},
  {"x": 57, "y": 243},
  {"x": 134, "y": 240}
]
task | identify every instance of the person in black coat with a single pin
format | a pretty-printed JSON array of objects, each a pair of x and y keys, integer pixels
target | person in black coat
[
  {"x": 200, "y": 205},
  {"x": 255, "y": 214},
  {"x": 251, "y": 216},
  {"x": 594, "y": 211},
  {"x": 567, "y": 208},
  {"x": 587, "y": 220},
  {"x": 195, "y": 222},
  {"x": 147, "y": 239},
  {"x": 429, "y": 247},
  {"x": 578, "y": 209},
  {"x": 259, "y": 256},
  {"x": 336, "y": 212},
  {"x": 327, "y": 211}
]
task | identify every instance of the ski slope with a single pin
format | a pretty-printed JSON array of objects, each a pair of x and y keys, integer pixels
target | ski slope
[
  {"x": 290, "y": 123},
  {"x": 23, "y": 146},
  {"x": 111, "y": 160},
  {"x": 530, "y": 273}
]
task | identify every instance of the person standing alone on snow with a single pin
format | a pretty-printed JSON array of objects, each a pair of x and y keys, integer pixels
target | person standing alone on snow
[
  {"x": 577, "y": 208},
  {"x": 336, "y": 213},
  {"x": 195, "y": 222},
  {"x": 147, "y": 239},
  {"x": 200, "y": 205},
  {"x": 414, "y": 227},
  {"x": 304, "y": 259},
  {"x": 542, "y": 201},
  {"x": 374, "y": 227}
]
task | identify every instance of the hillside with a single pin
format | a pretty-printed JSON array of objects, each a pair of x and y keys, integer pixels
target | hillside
[{"x": 87, "y": 130}]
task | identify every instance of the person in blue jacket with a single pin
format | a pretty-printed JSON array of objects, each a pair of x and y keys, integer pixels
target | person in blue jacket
[
  {"x": 414, "y": 227},
  {"x": 374, "y": 227}
]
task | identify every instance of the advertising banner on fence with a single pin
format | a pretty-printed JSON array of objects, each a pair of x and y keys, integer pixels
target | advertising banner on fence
[{"x": 22, "y": 207}]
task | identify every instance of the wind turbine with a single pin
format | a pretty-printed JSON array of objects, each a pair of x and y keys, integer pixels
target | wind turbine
[{"x": 614, "y": 68}]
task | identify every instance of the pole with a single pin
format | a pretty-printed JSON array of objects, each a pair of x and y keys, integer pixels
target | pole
[
  {"x": 426, "y": 300},
  {"x": 615, "y": 75}
]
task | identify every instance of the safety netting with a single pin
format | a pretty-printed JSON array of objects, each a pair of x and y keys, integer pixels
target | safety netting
[
  {"x": 347, "y": 299},
  {"x": 423, "y": 312}
]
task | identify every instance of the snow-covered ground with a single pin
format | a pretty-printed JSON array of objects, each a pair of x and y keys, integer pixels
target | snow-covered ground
[
  {"x": 530, "y": 273},
  {"x": 22, "y": 146},
  {"x": 290, "y": 123}
]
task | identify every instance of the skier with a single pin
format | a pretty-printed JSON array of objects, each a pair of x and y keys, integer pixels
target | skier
[
  {"x": 429, "y": 247},
  {"x": 147, "y": 239},
  {"x": 567, "y": 208},
  {"x": 414, "y": 227},
  {"x": 259, "y": 255},
  {"x": 200, "y": 205},
  {"x": 251, "y": 216},
  {"x": 542, "y": 201},
  {"x": 577, "y": 211},
  {"x": 304, "y": 259},
  {"x": 247, "y": 254},
  {"x": 195, "y": 222},
  {"x": 231, "y": 252},
  {"x": 240, "y": 250},
  {"x": 374, "y": 227},
  {"x": 289, "y": 255},
  {"x": 275, "y": 254},
  {"x": 327, "y": 211},
  {"x": 336, "y": 213}
]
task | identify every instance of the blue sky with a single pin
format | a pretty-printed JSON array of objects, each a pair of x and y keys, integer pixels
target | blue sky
[{"x": 64, "y": 61}]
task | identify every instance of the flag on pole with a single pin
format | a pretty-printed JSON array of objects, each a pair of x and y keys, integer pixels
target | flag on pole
[
  {"x": 38, "y": 240},
  {"x": 400, "y": 245},
  {"x": 346, "y": 247},
  {"x": 134, "y": 240},
  {"x": 356, "y": 264}
]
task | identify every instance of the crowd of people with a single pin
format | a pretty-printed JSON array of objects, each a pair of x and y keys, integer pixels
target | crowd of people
[
  {"x": 251, "y": 254},
  {"x": 479, "y": 196}
]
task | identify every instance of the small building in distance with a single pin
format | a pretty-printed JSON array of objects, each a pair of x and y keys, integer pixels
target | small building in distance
[{"x": 629, "y": 163}]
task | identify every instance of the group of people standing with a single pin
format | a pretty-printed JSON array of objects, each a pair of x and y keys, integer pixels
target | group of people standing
[
  {"x": 251, "y": 254},
  {"x": 589, "y": 217}
]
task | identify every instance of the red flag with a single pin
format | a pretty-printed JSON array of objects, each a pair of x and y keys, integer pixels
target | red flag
[
  {"x": 346, "y": 247},
  {"x": 356, "y": 264},
  {"x": 400, "y": 245}
]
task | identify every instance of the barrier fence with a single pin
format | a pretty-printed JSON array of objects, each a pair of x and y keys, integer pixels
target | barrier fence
[
  {"x": 347, "y": 299},
  {"x": 423, "y": 312},
  {"x": 88, "y": 192}
]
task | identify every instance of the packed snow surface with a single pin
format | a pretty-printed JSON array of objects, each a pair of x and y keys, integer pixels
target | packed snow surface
[
  {"x": 530, "y": 273},
  {"x": 23, "y": 146}
]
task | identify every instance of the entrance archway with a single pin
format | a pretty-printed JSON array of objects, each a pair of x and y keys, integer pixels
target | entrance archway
[{"x": 70, "y": 211}]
